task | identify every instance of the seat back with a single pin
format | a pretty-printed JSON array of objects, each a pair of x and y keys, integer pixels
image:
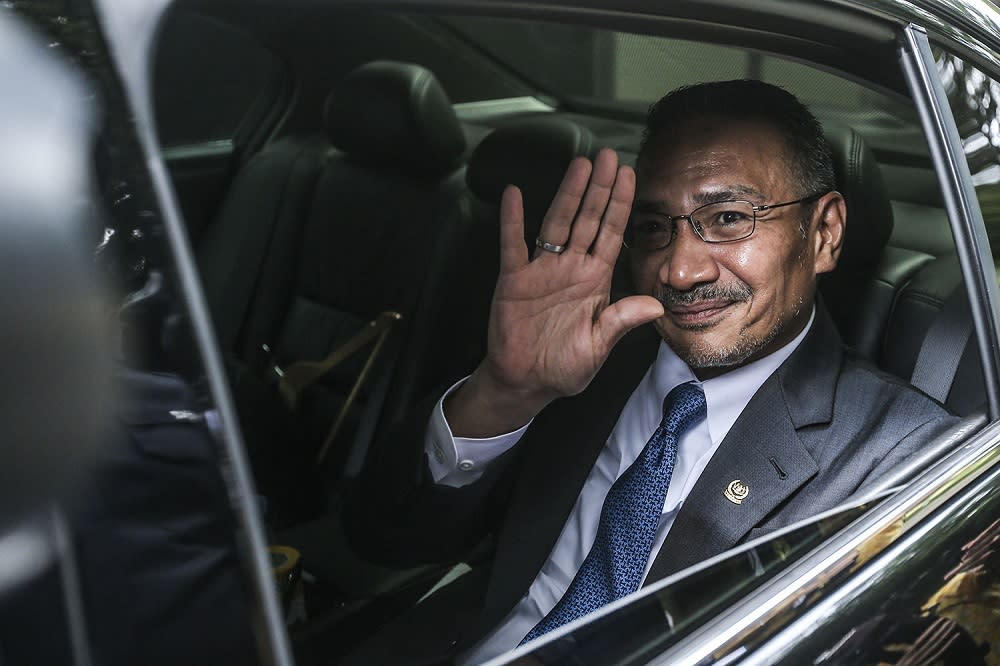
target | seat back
[
  {"x": 356, "y": 241},
  {"x": 533, "y": 154},
  {"x": 917, "y": 309},
  {"x": 860, "y": 291}
]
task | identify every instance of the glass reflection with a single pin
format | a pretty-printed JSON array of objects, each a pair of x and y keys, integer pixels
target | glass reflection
[
  {"x": 636, "y": 633},
  {"x": 974, "y": 98}
]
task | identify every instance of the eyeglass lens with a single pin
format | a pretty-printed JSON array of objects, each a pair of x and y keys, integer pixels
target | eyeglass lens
[{"x": 715, "y": 223}]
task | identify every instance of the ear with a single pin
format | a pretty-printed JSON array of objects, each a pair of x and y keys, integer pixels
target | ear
[{"x": 829, "y": 225}]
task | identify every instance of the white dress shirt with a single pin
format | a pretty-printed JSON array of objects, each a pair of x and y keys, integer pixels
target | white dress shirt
[{"x": 456, "y": 461}]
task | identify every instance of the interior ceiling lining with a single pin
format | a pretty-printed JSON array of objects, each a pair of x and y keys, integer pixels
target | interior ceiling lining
[{"x": 858, "y": 46}]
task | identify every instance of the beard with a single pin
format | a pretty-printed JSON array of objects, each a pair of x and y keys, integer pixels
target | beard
[{"x": 699, "y": 354}]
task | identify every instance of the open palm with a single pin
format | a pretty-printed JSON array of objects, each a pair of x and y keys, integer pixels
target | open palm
[{"x": 551, "y": 324}]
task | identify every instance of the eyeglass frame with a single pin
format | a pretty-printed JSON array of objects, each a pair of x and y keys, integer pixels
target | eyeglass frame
[{"x": 697, "y": 227}]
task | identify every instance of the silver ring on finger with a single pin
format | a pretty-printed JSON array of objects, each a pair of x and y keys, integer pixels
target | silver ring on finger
[{"x": 549, "y": 247}]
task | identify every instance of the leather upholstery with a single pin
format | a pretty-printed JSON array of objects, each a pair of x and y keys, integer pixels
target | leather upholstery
[
  {"x": 869, "y": 211},
  {"x": 860, "y": 291},
  {"x": 533, "y": 154},
  {"x": 917, "y": 306},
  {"x": 395, "y": 114}
]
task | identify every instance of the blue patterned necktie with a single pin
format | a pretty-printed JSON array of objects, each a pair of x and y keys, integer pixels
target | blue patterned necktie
[{"x": 631, "y": 515}]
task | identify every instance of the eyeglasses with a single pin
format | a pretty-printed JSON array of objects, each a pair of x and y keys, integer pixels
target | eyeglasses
[{"x": 721, "y": 222}]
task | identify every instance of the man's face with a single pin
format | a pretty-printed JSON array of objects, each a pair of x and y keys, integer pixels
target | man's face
[{"x": 731, "y": 303}]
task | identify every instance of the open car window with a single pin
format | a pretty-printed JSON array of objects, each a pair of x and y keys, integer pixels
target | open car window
[{"x": 328, "y": 241}]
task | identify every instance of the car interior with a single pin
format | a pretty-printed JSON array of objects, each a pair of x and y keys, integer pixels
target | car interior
[{"x": 340, "y": 172}]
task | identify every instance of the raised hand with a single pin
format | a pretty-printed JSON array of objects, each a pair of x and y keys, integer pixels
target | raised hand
[{"x": 551, "y": 324}]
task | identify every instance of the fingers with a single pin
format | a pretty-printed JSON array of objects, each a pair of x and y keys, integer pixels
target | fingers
[
  {"x": 595, "y": 201},
  {"x": 609, "y": 238},
  {"x": 513, "y": 251},
  {"x": 622, "y": 316},
  {"x": 559, "y": 218},
  {"x": 590, "y": 211}
]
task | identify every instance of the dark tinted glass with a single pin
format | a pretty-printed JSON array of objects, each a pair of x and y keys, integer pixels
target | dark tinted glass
[
  {"x": 210, "y": 79},
  {"x": 638, "y": 632}
]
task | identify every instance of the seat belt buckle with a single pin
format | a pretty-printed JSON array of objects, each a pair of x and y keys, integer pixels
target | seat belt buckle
[{"x": 273, "y": 372}]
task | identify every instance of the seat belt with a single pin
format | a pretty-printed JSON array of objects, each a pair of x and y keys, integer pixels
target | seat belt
[
  {"x": 358, "y": 452},
  {"x": 302, "y": 374},
  {"x": 382, "y": 325},
  {"x": 943, "y": 346}
]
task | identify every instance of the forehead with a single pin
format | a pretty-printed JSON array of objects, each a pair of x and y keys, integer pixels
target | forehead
[{"x": 715, "y": 151}]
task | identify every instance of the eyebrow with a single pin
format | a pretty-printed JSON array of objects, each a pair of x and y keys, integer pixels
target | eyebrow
[{"x": 701, "y": 198}]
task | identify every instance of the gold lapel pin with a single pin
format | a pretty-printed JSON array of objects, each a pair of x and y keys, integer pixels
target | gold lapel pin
[{"x": 736, "y": 491}]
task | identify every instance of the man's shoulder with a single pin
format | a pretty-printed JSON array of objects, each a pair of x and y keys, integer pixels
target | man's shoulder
[
  {"x": 867, "y": 377},
  {"x": 890, "y": 406}
]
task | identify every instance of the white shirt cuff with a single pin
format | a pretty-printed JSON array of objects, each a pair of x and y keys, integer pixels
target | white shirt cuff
[{"x": 460, "y": 461}]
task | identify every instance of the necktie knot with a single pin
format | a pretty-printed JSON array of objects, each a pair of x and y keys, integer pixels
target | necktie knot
[{"x": 683, "y": 407}]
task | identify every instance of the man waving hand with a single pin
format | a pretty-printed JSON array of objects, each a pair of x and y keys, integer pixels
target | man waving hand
[{"x": 601, "y": 457}]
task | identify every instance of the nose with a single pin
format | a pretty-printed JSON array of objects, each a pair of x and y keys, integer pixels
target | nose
[{"x": 688, "y": 260}]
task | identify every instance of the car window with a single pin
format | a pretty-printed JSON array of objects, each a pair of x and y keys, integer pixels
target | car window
[
  {"x": 582, "y": 63},
  {"x": 213, "y": 82},
  {"x": 349, "y": 286}
]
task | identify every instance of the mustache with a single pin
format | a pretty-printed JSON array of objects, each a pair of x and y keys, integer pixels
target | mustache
[{"x": 737, "y": 293}]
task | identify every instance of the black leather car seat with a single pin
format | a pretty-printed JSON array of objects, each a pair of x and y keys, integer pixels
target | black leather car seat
[
  {"x": 341, "y": 234},
  {"x": 918, "y": 306},
  {"x": 533, "y": 154},
  {"x": 861, "y": 291},
  {"x": 449, "y": 339}
]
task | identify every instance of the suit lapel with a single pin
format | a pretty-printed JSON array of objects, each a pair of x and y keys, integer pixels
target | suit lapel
[
  {"x": 559, "y": 451},
  {"x": 762, "y": 452}
]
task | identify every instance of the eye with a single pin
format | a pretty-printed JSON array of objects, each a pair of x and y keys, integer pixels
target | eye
[
  {"x": 649, "y": 225},
  {"x": 729, "y": 217}
]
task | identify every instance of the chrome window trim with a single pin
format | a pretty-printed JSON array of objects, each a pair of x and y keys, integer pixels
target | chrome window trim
[
  {"x": 130, "y": 28},
  {"x": 789, "y": 637}
]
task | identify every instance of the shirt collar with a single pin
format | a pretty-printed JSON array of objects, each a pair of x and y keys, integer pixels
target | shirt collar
[{"x": 727, "y": 394}]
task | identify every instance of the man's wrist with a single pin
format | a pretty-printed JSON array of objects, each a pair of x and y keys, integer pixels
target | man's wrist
[{"x": 483, "y": 408}]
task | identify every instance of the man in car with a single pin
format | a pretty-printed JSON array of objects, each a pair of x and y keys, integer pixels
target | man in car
[{"x": 601, "y": 459}]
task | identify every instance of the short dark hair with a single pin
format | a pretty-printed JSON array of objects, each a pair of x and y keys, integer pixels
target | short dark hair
[{"x": 811, "y": 163}]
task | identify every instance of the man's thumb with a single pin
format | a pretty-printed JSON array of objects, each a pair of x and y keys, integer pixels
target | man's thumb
[{"x": 622, "y": 316}]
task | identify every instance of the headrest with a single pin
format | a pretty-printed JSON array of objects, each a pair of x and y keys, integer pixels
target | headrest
[
  {"x": 869, "y": 211},
  {"x": 394, "y": 113},
  {"x": 869, "y": 224},
  {"x": 533, "y": 154}
]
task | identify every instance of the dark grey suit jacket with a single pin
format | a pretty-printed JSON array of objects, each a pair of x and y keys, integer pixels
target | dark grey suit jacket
[{"x": 820, "y": 428}]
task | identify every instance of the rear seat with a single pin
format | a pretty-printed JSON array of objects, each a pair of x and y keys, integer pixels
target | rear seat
[
  {"x": 452, "y": 336},
  {"x": 886, "y": 297},
  {"x": 916, "y": 309},
  {"x": 861, "y": 291},
  {"x": 329, "y": 238}
]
